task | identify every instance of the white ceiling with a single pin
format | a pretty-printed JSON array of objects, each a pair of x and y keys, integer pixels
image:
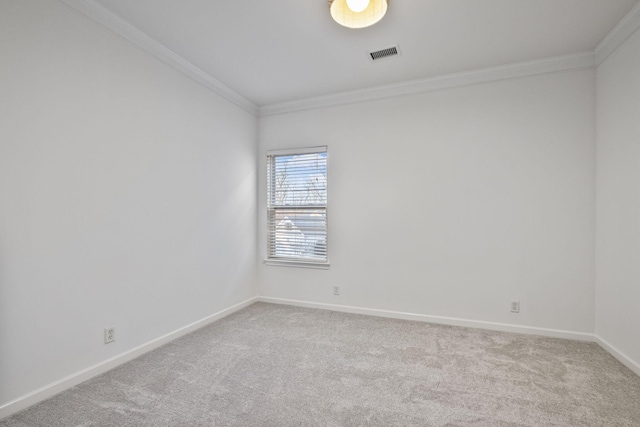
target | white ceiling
[{"x": 273, "y": 51}]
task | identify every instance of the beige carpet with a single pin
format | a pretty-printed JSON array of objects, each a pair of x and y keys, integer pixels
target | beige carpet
[{"x": 271, "y": 365}]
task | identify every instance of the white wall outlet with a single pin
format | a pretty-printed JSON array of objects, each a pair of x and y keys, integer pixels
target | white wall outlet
[
  {"x": 109, "y": 335},
  {"x": 336, "y": 290},
  {"x": 515, "y": 306}
]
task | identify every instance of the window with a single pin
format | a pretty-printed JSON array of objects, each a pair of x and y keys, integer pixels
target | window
[{"x": 297, "y": 207}]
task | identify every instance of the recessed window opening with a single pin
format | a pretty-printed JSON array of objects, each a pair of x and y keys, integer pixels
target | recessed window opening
[{"x": 297, "y": 205}]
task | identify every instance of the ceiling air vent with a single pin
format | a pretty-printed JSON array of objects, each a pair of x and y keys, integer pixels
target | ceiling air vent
[{"x": 384, "y": 53}]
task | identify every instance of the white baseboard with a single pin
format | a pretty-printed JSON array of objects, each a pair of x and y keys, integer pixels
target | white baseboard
[
  {"x": 67, "y": 382},
  {"x": 622, "y": 358},
  {"x": 503, "y": 327},
  {"x": 92, "y": 371}
]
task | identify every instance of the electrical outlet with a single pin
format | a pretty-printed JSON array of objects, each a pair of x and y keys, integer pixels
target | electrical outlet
[
  {"x": 109, "y": 335},
  {"x": 515, "y": 306},
  {"x": 336, "y": 290}
]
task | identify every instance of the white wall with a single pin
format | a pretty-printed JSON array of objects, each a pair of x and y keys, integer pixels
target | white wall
[
  {"x": 127, "y": 196},
  {"x": 128, "y": 199},
  {"x": 455, "y": 202},
  {"x": 618, "y": 201}
]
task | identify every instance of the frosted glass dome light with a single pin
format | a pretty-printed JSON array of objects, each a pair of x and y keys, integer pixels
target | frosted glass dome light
[{"x": 357, "y": 13}]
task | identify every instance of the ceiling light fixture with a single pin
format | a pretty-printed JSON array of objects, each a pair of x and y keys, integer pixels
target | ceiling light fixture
[{"x": 357, "y": 13}]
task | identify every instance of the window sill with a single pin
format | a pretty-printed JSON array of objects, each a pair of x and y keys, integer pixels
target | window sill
[{"x": 298, "y": 264}]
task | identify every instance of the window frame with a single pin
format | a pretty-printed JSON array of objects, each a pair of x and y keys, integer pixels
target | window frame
[{"x": 294, "y": 262}]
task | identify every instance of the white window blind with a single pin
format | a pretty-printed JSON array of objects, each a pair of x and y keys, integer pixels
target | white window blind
[{"x": 297, "y": 205}]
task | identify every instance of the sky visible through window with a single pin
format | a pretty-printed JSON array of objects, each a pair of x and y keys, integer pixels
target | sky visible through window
[{"x": 301, "y": 179}]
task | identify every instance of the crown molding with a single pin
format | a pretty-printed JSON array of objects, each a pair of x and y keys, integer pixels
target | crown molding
[
  {"x": 554, "y": 64},
  {"x": 122, "y": 28},
  {"x": 618, "y": 35}
]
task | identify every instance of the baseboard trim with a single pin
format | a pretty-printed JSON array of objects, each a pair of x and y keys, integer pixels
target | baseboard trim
[
  {"x": 622, "y": 358},
  {"x": 65, "y": 383},
  {"x": 453, "y": 321}
]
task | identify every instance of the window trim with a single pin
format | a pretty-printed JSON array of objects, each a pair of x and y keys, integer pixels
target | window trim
[
  {"x": 320, "y": 265},
  {"x": 303, "y": 263}
]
